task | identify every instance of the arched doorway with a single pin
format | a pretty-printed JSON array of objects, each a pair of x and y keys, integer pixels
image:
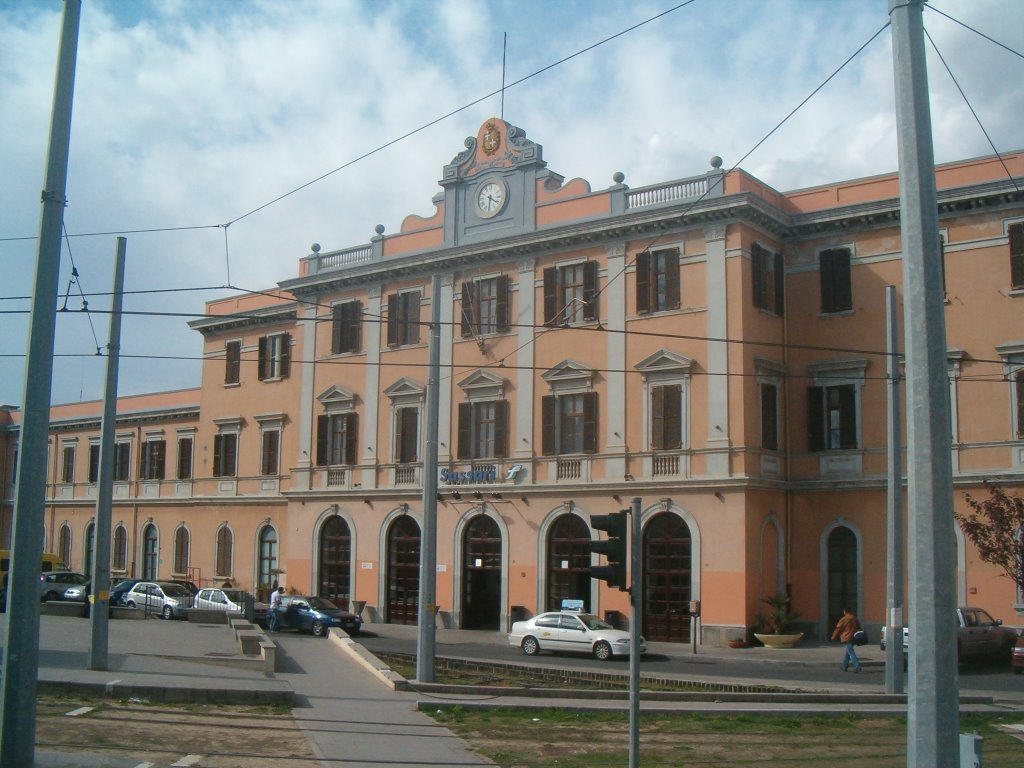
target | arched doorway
[
  {"x": 336, "y": 561},
  {"x": 842, "y": 573},
  {"x": 403, "y": 571},
  {"x": 268, "y": 572},
  {"x": 481, "y": 574},
  {"x": 90, "y": 548},
  {"x": 667, "y": 579},
  {"x": 149, "y": 552},
  {"x": 568, "y": 574}
]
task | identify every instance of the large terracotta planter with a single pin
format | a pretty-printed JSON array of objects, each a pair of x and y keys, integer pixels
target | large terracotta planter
[{"x": 779, "y": 641}]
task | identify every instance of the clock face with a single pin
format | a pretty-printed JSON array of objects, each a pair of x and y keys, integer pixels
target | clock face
[{"x": 490, "y": 198}]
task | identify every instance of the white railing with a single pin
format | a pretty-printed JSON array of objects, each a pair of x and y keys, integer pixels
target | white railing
[
  {"x": 405, "y": 474},
  {"x": 673, "y": 191},
  {"x": 337, "y": 478},
  {"x": 569, "y": 469},
  {"x": 665, "y": 465},
  {"x": 342, "y": 259}
]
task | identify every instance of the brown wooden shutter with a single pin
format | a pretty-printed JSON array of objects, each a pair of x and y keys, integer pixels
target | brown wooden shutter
[
  {"x": 354, "y": 327},
  {"x": 1016, "y": 233},
  {"x": 673, "y": 416},
  {"x": 836, "y": 292},
  {"x": 407, "y": 437},
  {"x": 590, "y": 290},
  {"x": 550, "y": 294},
  {"x": 769, "y": 418},
  {"x": 412, "y": 318},
  {"x": 159, "y": 454},
  {"x": 94, "y": 463},
  {"x": 286, "y": 355},
  {"x": 351, "y": 421},
  {"x": 815, "y": 418},
  {"x": 218, "y": 449},
  {"x": 547, "y": 425},
  {"x": 261, "y": 360},
  {"x": 393, "y": 320},
  {"x": 757, "y": 275},
  {"x": 1019, "y": 381},
  {"x": 464, "y": 439},
  {"x": 590, "y": 422},
  {"x": 467, "y": 310},
  {"x": 657, "y": 418},
  {"x": 643, "y": 282},
  {"x": 269, "y": 454},
  {"x": 322, "y": 430},
  {"x": 672, "y": 279},
  {"x": 231, "y": 454},
  {"x": 501, "y": 321},
  {"x": 780, "y": 285},
  {"x": 847, "y": 416},
  {"x": 338, "y": 328},
  {"x": 501, "y": 429},
  {"x": 232, "y": 361}
]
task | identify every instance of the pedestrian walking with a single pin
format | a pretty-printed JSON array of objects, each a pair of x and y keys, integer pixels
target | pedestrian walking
[
  {"x": 846, "y": 628},
  {"x": 275, "y": 608}
]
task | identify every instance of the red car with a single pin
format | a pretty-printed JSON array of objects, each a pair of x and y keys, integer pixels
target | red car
[{"x": 1017, "y": 660}]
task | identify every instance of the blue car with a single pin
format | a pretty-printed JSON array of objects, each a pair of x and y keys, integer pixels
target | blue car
[{"x": 316, "y": 615}]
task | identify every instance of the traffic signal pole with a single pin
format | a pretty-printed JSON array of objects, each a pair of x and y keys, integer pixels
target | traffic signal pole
[{"x": 635, "y": 621}]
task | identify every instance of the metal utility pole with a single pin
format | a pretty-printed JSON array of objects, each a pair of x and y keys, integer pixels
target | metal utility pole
[
  {"x": 100, "y": 597},
  {"x": 21, "y": 637},
  {"x": 933, "y": 717},
  {"x": 894, "y": 506},
  {"x": 635, "y": 621},
  {"x": 427, "y": 603}
]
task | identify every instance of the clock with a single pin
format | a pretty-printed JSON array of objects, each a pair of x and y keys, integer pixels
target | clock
[{"x": 490, "y": 198}]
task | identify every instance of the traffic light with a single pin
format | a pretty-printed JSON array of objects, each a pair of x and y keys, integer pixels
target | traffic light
[{"x": 615, "y": 548}]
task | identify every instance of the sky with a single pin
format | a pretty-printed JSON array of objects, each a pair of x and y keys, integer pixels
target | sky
[{"x": 190, "y": 115}]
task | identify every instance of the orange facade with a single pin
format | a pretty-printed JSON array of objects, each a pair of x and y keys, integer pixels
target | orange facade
[{"x": 710, "y": 345}]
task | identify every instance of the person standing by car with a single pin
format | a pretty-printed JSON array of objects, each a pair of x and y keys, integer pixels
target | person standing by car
[
  {"x": 275, "y": 607},
  {"x": 846, "y": 628}
]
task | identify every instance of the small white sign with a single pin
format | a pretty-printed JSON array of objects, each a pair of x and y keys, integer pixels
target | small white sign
[
  {"x": 478, "y": 562},
  {"x": 442, "y": 568},
  {"x": 565, "y": 564},
  {"x": 366, "y": 566}
]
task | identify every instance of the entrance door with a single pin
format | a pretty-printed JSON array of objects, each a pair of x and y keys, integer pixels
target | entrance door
[
  {"x": 149, "y": 552},
  {"x": 481, "y": 575},
  {"x": 568, "y": 562},
  {"x": 842, "y": 574},
  {"x": 667, "y": 579},
  {"x": 336, "y": 562},
  {"x": 403, "y": 571}
]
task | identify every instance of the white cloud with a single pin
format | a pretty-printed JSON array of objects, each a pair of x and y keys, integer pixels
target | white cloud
[{"x": 195, "y": 113}]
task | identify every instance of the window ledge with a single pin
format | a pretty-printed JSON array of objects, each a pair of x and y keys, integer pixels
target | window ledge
[
  {"x": 232, "y": 385},
  {"x": 837, "y": 313}
]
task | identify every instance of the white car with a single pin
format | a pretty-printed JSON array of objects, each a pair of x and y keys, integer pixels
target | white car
[
  {"x": 567, "y": 631},
  {"x": 220, "y": 600}
]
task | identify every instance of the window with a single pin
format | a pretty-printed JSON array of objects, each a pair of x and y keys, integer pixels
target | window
[
  {"x": 184, "y": 458},
  {"x": 64, "y": 544},
  {"x": 657, "y": 280},
  {"x": 268, "y": 557},
  {"x": 336, "y": 439},
  {"x": 119, "y": 550},
  {"x": 274, "y": 352},
  {"x": 403, "y": 318},
  {"x": 485, "y": 306},
  {"x": 666, "y": 417},
  {"x": 569, "y": 423},
  {"x": 407, "y": 427},
  {"x": 346, "y": 327},
  {"x": 1016, "y": 234},
  {"x": 122, "y": 461},
  {"x": 832, "y": 417},
  {"x": 151, "y": 463},
  {"x": 483, "y": 430},
  {"x": 232, "y": 361},
  {"x": 1018, "y": 388},
  {"x": 150, "y": 552},
  {"x": 769, "y": 417},
  {"x": 94, "y": 462},
  {"x": 225, "y": 545},
  {"x": 225, "y": 451},
  {"x": 836, "y": 292},
  {"x": 570, "y": 293},
  {"x": 769, "y": 280},
  {"x": 270, "y": 440},
  {"x": 181, "y": 547},
  {"x": 67, "y": 469}
]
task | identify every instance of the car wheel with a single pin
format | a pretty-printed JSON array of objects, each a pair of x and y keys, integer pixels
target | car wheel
[
  {"x": 602, "y": 651},
  {"x": 50, "y": 596},
  {"x": 168, "y": 612},
  {"x": 530, "y": 646},
  {"x": 318, "y": 628},
  {"x": 130, "y": 604}
]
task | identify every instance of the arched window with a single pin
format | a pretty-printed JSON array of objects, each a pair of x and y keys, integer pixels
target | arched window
[
  {"x": 181, "y": 547},
  {"x": 225, "y": 551},
  {"x": 568, "y": 562},
  {"x": 150, "y": 551},
  {"x": 119, "y": 552},
  {"x": 64, "y": 544},
  {"x": 90, "y": 548},
  {"x": 268, "y": 557}
]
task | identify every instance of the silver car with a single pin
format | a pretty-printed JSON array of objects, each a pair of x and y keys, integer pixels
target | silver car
[
  {"x": 220, "y": 599},
  {"x": 53, "y": 585},
  {"x": 568, "y": 631},
  {"x": 165, "y": 598}
]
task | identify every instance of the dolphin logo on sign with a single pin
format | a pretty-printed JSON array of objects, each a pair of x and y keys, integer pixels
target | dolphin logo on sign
[{"x": 513, "y": 473}]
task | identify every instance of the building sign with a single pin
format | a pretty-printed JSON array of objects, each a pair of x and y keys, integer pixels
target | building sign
[{"x": 488, "y": 475}]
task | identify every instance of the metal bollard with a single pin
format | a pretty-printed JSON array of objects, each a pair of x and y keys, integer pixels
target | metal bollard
[{"x": 970, "y": 750}]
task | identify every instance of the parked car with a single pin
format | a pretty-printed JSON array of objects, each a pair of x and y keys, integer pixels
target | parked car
[
  {"x": 977, "y": 634},
  {"x": 1017, "y": 657},
  {"x": 119, "y": 590},
  {"x": 567, "y": 631},
  {"x": 220, "y": 599},
  {"x": 166, "y": 598},
  {"x": 77, "y": 593},
  {"x": 308, "y": 613},
  {"x": 52, "y": 585},
  {"x": 193, "y": 590}
]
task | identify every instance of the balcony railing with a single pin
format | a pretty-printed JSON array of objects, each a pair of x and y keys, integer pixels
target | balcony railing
[
  {"x": 337, "y": 477},
  {"x": 405, "y": 474},
  {"x": 569, "y": 469},
  {"x": 665, "y": 465},
  {"x": 709, "y": 185}
]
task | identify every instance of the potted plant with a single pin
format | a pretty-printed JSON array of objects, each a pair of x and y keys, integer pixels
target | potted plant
[{"x": 777, "y": 622}]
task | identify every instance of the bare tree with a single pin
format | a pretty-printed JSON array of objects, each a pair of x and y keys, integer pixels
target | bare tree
[{"x": 996, "y": 527}]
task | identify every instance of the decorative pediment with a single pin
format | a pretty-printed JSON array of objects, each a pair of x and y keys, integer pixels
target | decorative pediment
[
  {"x": 665, "y": 362},
  {"x": 568, "y": 373},
  {"x": 483, "y": 385},
  {"x": 405, "y": 388},
  {"x": 336, "y": 398},
  {"x": 497, "y": 145}
]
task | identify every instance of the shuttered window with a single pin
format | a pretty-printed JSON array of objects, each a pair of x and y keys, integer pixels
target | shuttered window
[
  {"x": 570, "y": 293},
  {"x": 232, "y": 362},
  {"x": 225, "y": 450},
  {"x": 94, "y": 463},
  {"x": 768, "y": 279},
  {"x": 184, "y": 458},
  {"x": 151, "y": 460},
  {"x": 1018, "y": 383},
  {"x": 274, "y": 356},
  {"x": 832, "y": 417},
  {"x": 407, "y": 421},
  {"x": 569, "y": 423},
  {"x": 122, "y": 461},
  {"x": 403, "y": 318},
  {"x": 336, "y": 439},
  {"x": 769, "y": 417},
  {"x": 483, "y": 430},
  {"x": 657, "y": 280},
  {"x": 182, "y": 540},
  {"x": 346, "y": 327},
  {"x": 1016, "y": 233},
  {"x": 270, "y": 448},
  {"x": 484, "y": 306},
  {"x": 666, "y": 417},
  {"x": 836, "y": 291}
]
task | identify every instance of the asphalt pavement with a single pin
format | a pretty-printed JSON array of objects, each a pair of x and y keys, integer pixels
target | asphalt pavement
[{"x": 350, "y": 715}]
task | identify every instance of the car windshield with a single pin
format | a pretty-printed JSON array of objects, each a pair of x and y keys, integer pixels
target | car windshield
[
  {"x": 593, "y": 622},
  {"x": 235, "y": 595},
  {"x": 321, "y": 604},
  {"x": 175, "y": 590},
  {"x": 123, "y": 585}
]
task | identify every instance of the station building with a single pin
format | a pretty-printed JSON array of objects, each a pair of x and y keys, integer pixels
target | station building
[{"x": 708, "y": 344}]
